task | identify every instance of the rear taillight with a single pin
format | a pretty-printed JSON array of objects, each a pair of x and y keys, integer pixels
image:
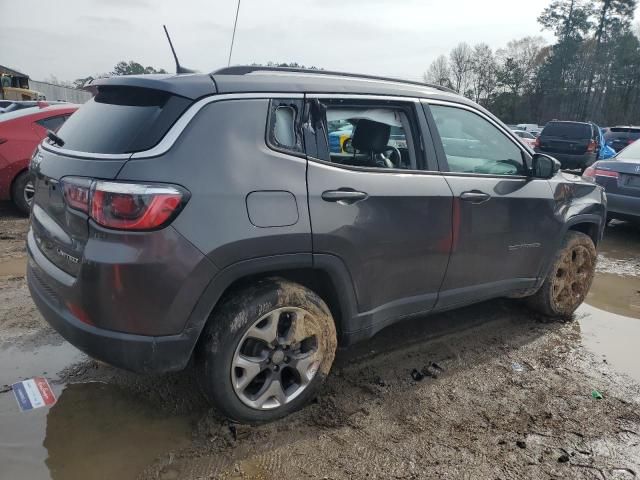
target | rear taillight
[
  {"x": 77, "y": 193},
  {"x": 592, "y": 146},
  {"x": 593, "y": 171},
  {"x": 537, "y": 143},
  {"x": 125, "y": 206}
]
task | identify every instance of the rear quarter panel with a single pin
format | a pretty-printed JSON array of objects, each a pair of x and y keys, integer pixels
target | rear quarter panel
[{"x": 221, "y": 158}]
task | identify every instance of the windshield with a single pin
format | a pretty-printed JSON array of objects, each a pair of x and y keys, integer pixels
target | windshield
[{"x": 122, "y": 120}]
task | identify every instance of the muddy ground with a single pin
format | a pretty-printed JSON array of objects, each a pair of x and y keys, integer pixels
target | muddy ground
[{"x": 512, "y": 398}]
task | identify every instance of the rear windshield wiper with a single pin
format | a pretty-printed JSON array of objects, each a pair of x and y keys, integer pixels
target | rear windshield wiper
[{"x": 55, "y": 138}]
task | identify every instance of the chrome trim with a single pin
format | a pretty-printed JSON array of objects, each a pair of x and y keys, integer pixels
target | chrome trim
[
  {"x": 76, "y": 153},
  {"x": 355, "y": 96},
  {"x": 175, "y": 131}
]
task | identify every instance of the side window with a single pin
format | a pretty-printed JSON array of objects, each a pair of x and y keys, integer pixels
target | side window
[
  {"x": 283, "y": 131},
  {"x": 369, "y": 135},
  {"x": 474, "y": 145},
  {"x": 53, "y": 123}
]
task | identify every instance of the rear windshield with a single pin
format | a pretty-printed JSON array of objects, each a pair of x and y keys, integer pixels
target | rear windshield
[
  {"x": 122, "y": 120},
  {"x": 567, "y": 130}
]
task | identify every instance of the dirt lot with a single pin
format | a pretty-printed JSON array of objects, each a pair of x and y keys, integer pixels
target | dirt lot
[{"x": 511, "y": 398}]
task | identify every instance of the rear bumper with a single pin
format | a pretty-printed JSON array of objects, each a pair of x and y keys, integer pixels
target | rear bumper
[
  {"x": 623, "y": 206},
  {"x": 571, "y": 161},
  {"x": 134, "y": 352}
]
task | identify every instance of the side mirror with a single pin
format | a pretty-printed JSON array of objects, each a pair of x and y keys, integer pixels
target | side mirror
[{"x": 544, "y": 166}]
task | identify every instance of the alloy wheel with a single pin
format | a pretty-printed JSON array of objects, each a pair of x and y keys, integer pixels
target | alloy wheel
[{"x": 277, "y": 358}]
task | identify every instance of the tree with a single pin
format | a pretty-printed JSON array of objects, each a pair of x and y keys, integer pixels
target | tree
[
  {"x": 133, "y": 68},
  {"x": 483, "y": 72},
  {"x": 460, "y": 63},
  {"x": 567, "y": 19},
  {"x": 439, "y": 72}
]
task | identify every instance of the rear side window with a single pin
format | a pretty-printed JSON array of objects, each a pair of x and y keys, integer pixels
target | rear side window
[
  {"x": 284, "y": 126},
  {"x": 53, "y": 123},
  {"x": 567, "y": 130},
  {"x": 122, "y": 120}
]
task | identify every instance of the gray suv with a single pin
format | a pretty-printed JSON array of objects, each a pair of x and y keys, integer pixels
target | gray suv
[{"x": 205, "y": 217}]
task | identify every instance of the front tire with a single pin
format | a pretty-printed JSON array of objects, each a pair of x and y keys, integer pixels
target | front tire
[
  {"x": 266, "y": 350},
  {"x": 569, "y": 279},
  {"x": 22, "y": 192}
]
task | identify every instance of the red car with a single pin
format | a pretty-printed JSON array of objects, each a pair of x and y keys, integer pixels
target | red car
[{"x": 20, "y": 132}]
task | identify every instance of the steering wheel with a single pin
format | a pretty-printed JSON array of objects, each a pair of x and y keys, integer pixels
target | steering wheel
[{"x": 392, "y": 160}]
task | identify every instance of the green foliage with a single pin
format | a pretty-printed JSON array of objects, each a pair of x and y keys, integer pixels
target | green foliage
[
  {"x": 591, "y": 72},
  {"x": 133, "y": 68}
]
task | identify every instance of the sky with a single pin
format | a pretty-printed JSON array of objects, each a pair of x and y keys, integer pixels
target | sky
[{"x": 76, "y": 38}]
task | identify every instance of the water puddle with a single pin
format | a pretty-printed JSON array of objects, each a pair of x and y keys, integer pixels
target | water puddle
[
  {"x": 13, "y": 267},
  {"x": 95, "y": 430},
  {"x": 610, "y": 318}
]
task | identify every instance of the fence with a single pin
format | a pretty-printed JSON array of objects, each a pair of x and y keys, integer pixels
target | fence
[{"x": 57, "y": 92}]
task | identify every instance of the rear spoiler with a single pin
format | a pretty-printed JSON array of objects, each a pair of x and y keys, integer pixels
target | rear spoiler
[{"x": 188, "y": 86}]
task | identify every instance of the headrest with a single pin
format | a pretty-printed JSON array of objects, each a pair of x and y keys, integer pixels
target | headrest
[{"x": 370, "y": 136}]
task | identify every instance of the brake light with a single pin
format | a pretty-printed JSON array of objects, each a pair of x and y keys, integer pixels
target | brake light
[
  {"x": 77, "y": 193},
  {"x": 537, "y": 143},
  {"x": 125, "y": 206},
  {"x": 593, "y": 171},
  {"x": 592, "y": 146}
]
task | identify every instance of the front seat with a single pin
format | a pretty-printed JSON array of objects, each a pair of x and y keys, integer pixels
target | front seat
[{"x": 372, "y": 137}]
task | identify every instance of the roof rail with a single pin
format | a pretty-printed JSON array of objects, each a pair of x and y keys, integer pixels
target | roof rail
[{"x": 245, "y": 69}]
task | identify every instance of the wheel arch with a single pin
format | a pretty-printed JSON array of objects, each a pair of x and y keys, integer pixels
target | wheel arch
[{"x": 323, "y": 276}]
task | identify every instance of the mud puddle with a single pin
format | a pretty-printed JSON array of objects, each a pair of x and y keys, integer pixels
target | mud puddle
[{"x": 95, "y": 429}]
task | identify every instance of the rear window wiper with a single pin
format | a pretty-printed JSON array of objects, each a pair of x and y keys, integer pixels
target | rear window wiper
[{"x": 55, "y": 138}]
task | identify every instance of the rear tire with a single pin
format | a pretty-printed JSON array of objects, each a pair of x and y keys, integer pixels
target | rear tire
[
  {"x": 569, "y": 279},
  {"x": 22, "y": 192},
  {"x": 266, "y": 350}
]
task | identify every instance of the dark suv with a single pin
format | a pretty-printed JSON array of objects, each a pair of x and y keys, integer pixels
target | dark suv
[
  {"x": 574, "y": 144},
  {"x": 207, "y": 217}
]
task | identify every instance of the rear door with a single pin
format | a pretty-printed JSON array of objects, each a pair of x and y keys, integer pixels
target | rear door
[
  {"x": 503, "y": 221},
  {"x": 378, "y": 204}
]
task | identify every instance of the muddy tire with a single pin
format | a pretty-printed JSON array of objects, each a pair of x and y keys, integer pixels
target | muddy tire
[
  {"x": 569, "y": 279},
  {"x": 266, "y": 350},
  {"x": 22, "y": 192}
]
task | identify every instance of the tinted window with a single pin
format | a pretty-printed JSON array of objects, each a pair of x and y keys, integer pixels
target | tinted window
[
  {"x": 474, "y": 145},
  {"x": 370, "y": 136},
  {"x": 53, "y": 123},
  {"x": 567, "y": 130},
  {"x": 122, "y": 120}
]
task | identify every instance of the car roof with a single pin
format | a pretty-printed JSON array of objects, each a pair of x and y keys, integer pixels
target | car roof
[
  {"x": 252, "y": 79},
  {"x": 38, "y": 111}
]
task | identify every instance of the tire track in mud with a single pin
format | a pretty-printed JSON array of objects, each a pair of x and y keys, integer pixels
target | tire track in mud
[{"x": 373, "y": 421}]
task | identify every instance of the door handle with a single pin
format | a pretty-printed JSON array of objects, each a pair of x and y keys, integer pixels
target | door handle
[
  {"x": 475, "y": 196},
  {"x": 343, "y": 196}
]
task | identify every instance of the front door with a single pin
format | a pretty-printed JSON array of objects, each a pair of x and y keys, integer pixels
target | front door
[
  {"x": 375, "y": 205},
  {"x": 503, "y": 220}
]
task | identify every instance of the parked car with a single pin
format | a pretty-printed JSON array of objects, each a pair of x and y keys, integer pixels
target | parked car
[
  {"x": 620, "y": 177},
  {"x": 527, "y": 138},
  {"x": 185, "y": 217},
  {"x": 574, "y": 144},
  {"x": 20, "y": 132},
  {"x": 619, "y": 137}
]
